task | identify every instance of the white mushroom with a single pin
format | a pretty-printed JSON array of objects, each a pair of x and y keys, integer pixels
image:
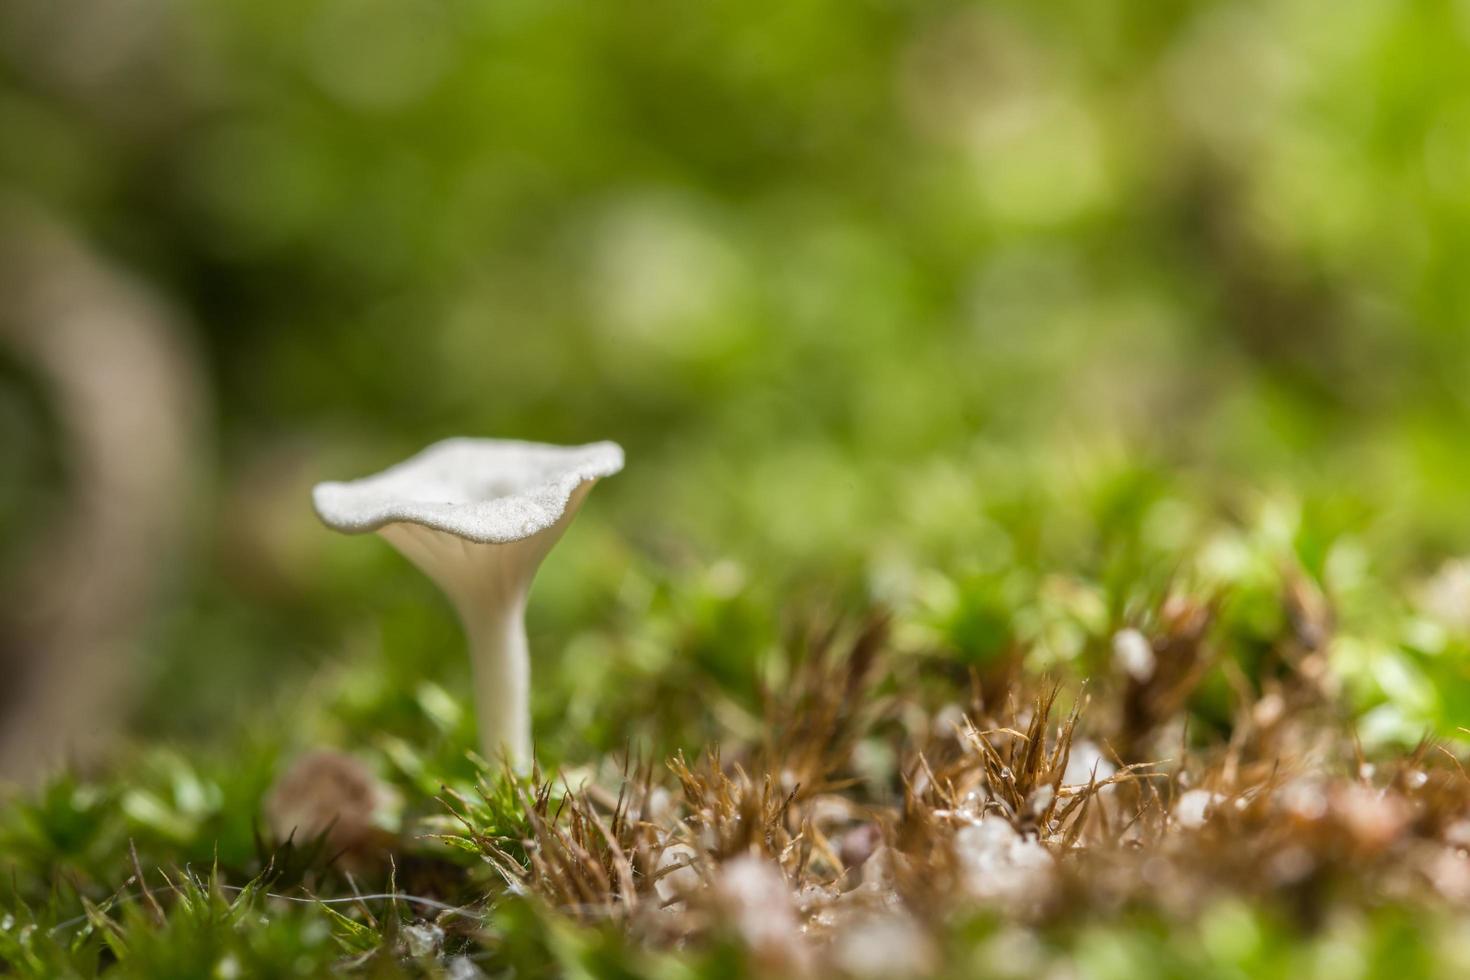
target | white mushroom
[{"x": 477, "y": 516}]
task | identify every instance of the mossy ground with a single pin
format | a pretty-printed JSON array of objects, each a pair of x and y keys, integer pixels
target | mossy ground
[{"x": 812, "y": 787}]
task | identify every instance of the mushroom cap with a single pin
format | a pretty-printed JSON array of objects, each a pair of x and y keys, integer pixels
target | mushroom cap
[{"x": 491, "y": 491}]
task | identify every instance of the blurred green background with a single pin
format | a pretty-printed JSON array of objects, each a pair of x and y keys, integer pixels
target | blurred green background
[{"x": 1011, "y": 316}]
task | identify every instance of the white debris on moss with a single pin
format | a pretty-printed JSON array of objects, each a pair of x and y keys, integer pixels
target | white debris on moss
[
  {"x": 423, "y": 939},
  {"x": 1457, "y": 834},
  {"x": 678, "y": 882},
  {"x": 1374, "y": 818},
  {"x": 1193, "y": 808},
  {"x": 462, "y": 968},
  {"x": 1304, "y": 798},
  {"x": 1133, "y": 654},
  {"x": 884, "y": 946},
  {"x": 1084, "y": 762},
  {"x": 752, "y": 899},
  {"x": 876, "y": 874},
  {"x": 1001, "y": 865}
]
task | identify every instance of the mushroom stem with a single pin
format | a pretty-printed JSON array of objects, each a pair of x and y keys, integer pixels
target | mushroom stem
[
  {"x": 488, "y": 585},
  {"x": 501, "y": 663}
]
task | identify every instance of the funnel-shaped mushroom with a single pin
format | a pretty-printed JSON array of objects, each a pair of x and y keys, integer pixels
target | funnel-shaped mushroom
[{"x": 477, "y": 516}]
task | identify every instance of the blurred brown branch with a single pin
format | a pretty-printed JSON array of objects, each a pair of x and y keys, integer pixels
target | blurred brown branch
[{"x": 127, "y": 393}]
